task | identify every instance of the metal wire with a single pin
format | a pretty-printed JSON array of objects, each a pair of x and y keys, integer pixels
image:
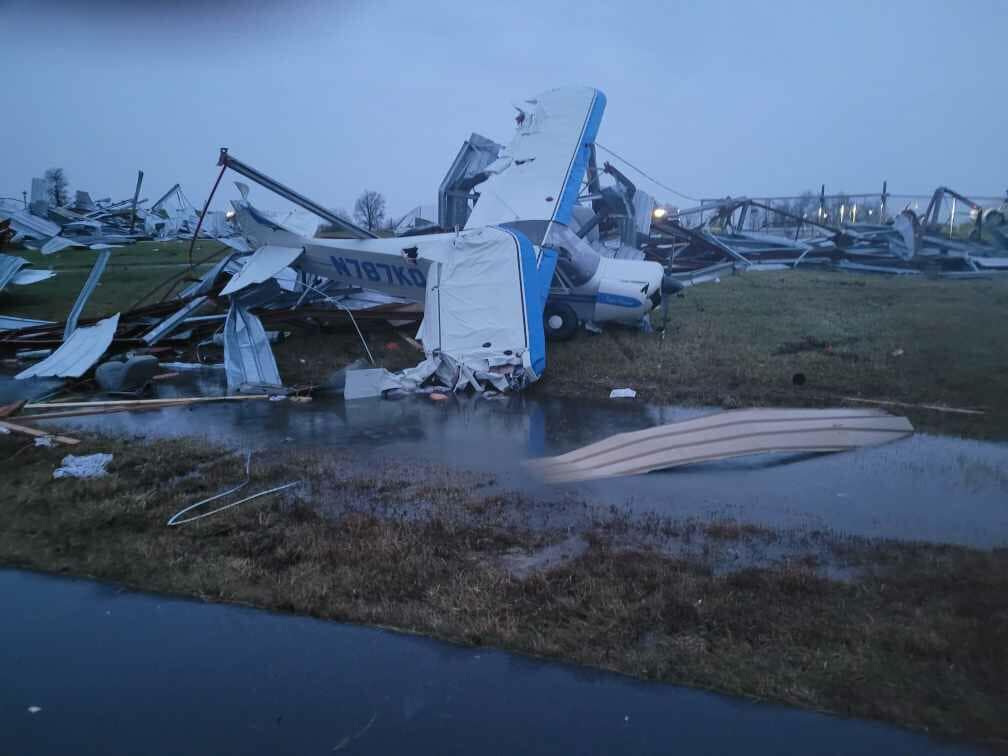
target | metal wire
[
  {"x": 646, "y": 175},
  {"x": 175, "y": 518},
  {"x": 353, "y": 320}
]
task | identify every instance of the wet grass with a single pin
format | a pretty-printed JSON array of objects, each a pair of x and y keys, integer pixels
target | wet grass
[
  {"x": 742, "y": 342},
  {"x": 132, "y": 271},
  {"x": 919, "y": 636}
]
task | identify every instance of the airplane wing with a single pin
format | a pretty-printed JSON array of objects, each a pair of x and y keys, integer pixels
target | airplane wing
[{"x": 538, "y": 176}]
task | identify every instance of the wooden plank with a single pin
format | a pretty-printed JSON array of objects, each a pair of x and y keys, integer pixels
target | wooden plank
[
  {"x": 97, "y": 411},
  {"x": 26, "y": 430},
  {"x": 168, "y": 401},
  {"x": 722, "y": 436}
]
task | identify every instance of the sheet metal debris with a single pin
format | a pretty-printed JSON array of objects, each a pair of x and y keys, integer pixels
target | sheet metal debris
[
  {"x": 248, "y": 359},
  {"x": 78, "y": 353},
  {"x": 14, "y": 270},
  {"x": 724, "y": 435}
]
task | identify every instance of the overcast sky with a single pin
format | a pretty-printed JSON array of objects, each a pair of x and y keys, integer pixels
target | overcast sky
[{"x": 712, "y": 98}]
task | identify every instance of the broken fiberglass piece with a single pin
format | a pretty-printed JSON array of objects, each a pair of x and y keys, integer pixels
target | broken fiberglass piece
[
  {"x": 248, "y": 359},
  {"x": 77, "y": 354}
]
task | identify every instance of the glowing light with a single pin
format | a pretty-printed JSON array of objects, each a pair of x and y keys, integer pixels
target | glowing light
[
  {"x": 659, "y": 213},
  {"x": 230, "y": 215}
]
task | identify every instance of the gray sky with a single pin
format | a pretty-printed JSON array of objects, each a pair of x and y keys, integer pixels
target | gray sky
[{"x": 712, "y": 98}]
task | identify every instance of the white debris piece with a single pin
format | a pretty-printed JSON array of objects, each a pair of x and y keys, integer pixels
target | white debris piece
[
  {"x": 34, "y": 709},
  {"x": 46, "y": 441},
  {"x": 84, "y": 466},
  {"x": 622, "y": 393}
]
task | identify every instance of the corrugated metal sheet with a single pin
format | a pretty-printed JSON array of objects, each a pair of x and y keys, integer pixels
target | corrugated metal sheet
[
  {"x": 248, "y": 358},
  {"x": 78, "y": 353}
]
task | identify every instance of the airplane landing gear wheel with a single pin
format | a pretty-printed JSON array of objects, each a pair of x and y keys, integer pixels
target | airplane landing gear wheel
[{"x": 560, "y": 321}]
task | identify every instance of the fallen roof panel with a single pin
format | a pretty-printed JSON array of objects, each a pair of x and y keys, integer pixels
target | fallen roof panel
[
  {"x": 78, "y": 353},
  {"x": 724, "y": 435}
]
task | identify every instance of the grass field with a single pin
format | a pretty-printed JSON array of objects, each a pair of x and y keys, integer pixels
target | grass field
[
  {"x": 910, "y": 633},
  {"x": 132, "y": 272},
  {"x": 743, "y": 341}
]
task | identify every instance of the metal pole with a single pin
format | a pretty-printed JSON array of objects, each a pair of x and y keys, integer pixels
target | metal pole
[
  {"x": 229, "y": 161},
  {"x": 206, "y": 206},
  {"x": 136, "y": 193}
]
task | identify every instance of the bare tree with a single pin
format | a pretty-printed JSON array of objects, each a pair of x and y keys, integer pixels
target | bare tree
[
  {"x": 369, "y": 209},
  {"x": 58, "y": 186}
]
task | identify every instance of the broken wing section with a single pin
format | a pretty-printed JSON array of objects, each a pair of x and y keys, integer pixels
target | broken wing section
[
  {"x": 483, "y": 315},
  {"x": 538, "y": 176}
]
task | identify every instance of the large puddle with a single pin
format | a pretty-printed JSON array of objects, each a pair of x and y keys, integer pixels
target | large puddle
[
  {"x": 928, "y": 487},
  {"x": 116, "y": 672}
]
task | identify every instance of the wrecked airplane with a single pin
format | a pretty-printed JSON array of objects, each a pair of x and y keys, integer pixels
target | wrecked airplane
[{"x": 492, "y": 291}]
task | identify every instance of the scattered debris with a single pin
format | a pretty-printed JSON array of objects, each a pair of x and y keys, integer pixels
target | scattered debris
[
  {"x": 83, "y": 466},
  {"x": 622, "y": 393},
  {"x": 13, "y": 270},
  {"x": 248, "y": 358}
]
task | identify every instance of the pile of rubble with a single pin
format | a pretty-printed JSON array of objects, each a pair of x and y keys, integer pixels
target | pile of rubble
[
  {"x": 40, "y": 224},
  {"x": 708, "y": 238}
]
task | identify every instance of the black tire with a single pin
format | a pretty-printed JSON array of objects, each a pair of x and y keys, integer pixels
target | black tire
[{"x": 567, "y": 326}]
